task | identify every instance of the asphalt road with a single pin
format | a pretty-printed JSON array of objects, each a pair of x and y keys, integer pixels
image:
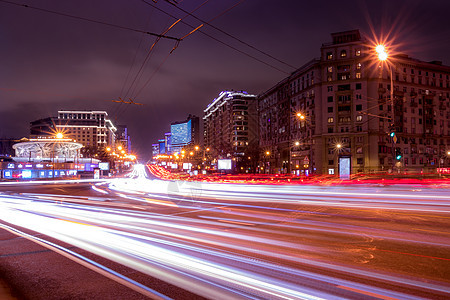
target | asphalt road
[{"x": 189, "y": 240}]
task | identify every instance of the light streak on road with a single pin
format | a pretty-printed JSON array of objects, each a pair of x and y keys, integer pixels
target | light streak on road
[{"x": 257, "y": 241}]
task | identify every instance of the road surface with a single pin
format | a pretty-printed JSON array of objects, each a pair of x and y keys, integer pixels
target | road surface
[{"x": 228, "y": 241}]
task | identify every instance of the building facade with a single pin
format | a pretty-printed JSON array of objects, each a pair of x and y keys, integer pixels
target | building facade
[
  {"x": 339, "y": 108},
  {"x": 231, "y": 126},
  {"x": 92, "y": 129},
  {"x": 184, "y": 133}
]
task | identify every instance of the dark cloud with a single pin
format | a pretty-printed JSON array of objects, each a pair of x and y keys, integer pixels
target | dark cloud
[{"x": 52, "y": 62}]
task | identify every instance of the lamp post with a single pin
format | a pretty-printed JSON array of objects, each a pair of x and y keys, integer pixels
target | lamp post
[
  {"x": 383, "y": 57},
  {"x": 265, "y": 162},
  {"x": 303, "y": 118}
]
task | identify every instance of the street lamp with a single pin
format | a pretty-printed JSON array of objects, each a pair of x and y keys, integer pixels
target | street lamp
[{"x": 383, "y": 57}]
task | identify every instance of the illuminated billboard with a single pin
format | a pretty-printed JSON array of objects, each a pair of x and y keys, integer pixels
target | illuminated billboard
[
  {"x": 103, "y": 166},
  {"x": 224, "y": 164}
]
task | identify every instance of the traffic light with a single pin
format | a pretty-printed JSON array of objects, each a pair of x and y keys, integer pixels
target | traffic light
[{"x": 398, "y": 154}]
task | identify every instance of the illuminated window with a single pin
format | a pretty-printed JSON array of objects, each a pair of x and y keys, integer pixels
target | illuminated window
[
  {"x": 329, "y": 78},
  {"x": 358, "y": 66},
  {"x": 343, "y": 53},
  {"x": 358, "y": 75},
  {"x": 358, "y": 118},
  {"x": 358, "y": 52},
  {"x": 330, "y": 69},
  {"x": 329, "y": 55},
  {"x": 330, "y": 120}
]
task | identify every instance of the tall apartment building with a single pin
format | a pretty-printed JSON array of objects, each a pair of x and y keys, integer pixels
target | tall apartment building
[
  {"x": 92, "y": 129},
  {"x": 231, "y": 124},
  {"x": 184, "y": 133},
  {"x": 345, "y": 100}
]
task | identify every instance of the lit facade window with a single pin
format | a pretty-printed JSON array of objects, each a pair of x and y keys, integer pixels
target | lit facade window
[
  {"x": 329, "y": 55},
  {"x": 358, "y": 52},
  {"x": 330, "y": 120},
  {"x": 330, "y": 69},
  {"x": 358, "y": 75},
  {"x": 343, "y": 53},
  {"x": 358, "y": 66}
]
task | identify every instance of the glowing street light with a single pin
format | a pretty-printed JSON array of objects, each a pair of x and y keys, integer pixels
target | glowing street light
[
  {"x": 119, "y": 148},
  {"x": 59, "y": 135},
  {"x": 267, "y": 152},
  {"x": 382, "y": 54},
  {"x": 196, "y": 148},
  {"x": 301, "y": 116},
  {"x": 339, "y": 146}
]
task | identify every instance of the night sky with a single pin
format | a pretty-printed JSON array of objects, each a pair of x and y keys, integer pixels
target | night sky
[{"x": 51, "y": 62}]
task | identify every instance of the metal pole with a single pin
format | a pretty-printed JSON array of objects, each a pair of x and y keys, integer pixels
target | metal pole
[{"x": 393, "y": 118}]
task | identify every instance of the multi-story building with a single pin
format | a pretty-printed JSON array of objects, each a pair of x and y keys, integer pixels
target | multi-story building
[
  {"x": 338, "y": 108},
  {"x": 122, "y": 138},
  {"x": 184, "y": 133},
  {"x": 231, "y": 125},
  {"x": 92, "y": 129}
]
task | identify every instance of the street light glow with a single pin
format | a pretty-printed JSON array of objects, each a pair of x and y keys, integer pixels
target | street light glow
[
  {"x": 59, "y": 135},
  {"x": 382, "y": 54},
  {"x": 380, "y": 49}
]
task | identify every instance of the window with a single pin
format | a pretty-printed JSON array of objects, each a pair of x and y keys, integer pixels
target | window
[
  {"x": 330, "y": 129},
  {"x": 359, "y": 161},
  {"x": 329, "y": 55},
  {"x": 343, "y": 53},
  {"x": 358, "y": 66},
  {"x": 330, "y": 69},
  {"x": 359, "y": 107},
  {"x": 330, "y": 99},
  {"x": 330, "y": 120},
  {"x": 358, "y": 118},
  {"x": 358, "y": 86},
  {"x": 330, "y": 88},
  {"x": 359, "y": 150},
  {"x": 331, "y": 162},
  {"x": 358, "y": 52},
  {"x": 330, "y": 109}
]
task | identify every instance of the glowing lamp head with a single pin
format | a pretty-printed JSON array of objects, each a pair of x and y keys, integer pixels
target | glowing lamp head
[
  {"x": 59, "y": 135},
  {"x": 381, "y": 51},
  {"x": 267, "y": 153},
  {"x": 380, "y": 48},
  {"x": 339, "y": 146},
  {"x": 297, "y": 143},
  {"x": 119, "y": 148},
  {"x": 108, "y": 149},
  {"x": 196, "y": 147}
]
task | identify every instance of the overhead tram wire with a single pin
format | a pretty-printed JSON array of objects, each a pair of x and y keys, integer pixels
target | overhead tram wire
[
  {"x": 229, "y": 35},
  {"x": 221, "y": 42},
  {"x": 91, "y": 20},
  {"x": 139, "y": 73}
]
